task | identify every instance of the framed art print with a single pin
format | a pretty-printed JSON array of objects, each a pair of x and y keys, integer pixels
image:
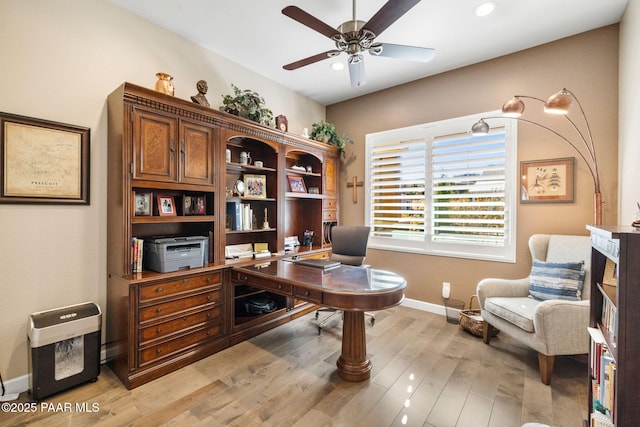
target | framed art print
[
  {"x": 547, "y": 181},
  {"x": 43, "y": 161}
]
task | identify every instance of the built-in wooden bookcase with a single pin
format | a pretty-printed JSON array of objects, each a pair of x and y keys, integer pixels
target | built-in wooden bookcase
[
  {"x": 252, "y": 188},
  {"x": 161, "y": 146},
  {"x": 614, "y": 365}
]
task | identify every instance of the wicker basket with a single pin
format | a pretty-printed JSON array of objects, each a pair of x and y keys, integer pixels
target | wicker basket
[{"x": 471, "y": 320}]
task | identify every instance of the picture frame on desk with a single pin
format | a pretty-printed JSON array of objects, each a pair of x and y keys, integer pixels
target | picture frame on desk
[
  {"x": 255, "y": 186},
  {"x": 296, "y": 184},
  {"x": 142, "y": 205},
  {"x": 187, "y": 205},
  {"x": 166, "y": 205},
  {"x": 199, "y": 205}
]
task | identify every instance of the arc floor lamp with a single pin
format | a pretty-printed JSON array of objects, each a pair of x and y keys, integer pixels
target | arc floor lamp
[{"x": 557, "y": 103}]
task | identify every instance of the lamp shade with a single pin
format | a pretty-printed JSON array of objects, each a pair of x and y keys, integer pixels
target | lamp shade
[
  {"x": 513, "y": 107},
  {"x": 480, "y": 128},
  {"x": 558, "y": 103}
]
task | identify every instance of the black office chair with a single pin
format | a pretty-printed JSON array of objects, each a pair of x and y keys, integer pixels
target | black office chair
[{"x": 348, "y": 246}]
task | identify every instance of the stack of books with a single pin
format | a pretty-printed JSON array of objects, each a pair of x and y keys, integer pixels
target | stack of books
[{"x": 137, "y": 252}]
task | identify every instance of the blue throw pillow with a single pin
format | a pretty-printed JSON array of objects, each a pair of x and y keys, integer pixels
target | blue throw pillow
[{"x": 562, "y": 280}]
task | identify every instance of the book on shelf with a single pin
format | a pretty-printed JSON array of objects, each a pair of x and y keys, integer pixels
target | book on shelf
[
  {"x": 609, "y": 317},
  {"x": 603, "y": 375},
  {"x": 234, "y": 211},
  {"x": 600, "y": 420},
  {"x": 137, "y": 246}
]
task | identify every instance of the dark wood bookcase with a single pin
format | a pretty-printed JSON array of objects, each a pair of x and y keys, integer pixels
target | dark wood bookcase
[
  {"x": 615, "y": 313},
  {"x": 160, "y": 145}
]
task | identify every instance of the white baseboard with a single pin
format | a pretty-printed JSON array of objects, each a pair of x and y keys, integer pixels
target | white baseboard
[
  {"x": 16, "y": 385},
  {"x": 424, "y": 306}
]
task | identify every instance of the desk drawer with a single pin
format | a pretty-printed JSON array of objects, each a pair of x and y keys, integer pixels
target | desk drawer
[
  {"x": 171, "y": 347},
  {"x": 163, "y": 289},
  {"x": 182, "y": 323},
  {"x": 329, "y": 204},
  {"x": 262, "y": 283},
  {"x": 157, "y": 311},
  {"x": 309, "y": 295},
  {"x": 329, "y": 215}
]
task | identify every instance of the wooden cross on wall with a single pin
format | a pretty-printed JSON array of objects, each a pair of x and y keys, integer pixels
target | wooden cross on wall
[{"x": 355, "y": 184}]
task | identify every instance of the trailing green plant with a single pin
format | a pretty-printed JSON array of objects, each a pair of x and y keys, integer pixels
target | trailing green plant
[
  {"x": 325, "y": 131},
  {"x": 249, "y": 104}
]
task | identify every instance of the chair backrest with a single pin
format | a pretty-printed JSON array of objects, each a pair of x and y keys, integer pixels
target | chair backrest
[
  {"x": 349, "y": 244},
  {"x": 564, "y": 248}
]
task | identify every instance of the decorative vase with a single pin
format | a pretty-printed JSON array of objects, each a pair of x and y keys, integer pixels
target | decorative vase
[{"x": 164, "y": 83}]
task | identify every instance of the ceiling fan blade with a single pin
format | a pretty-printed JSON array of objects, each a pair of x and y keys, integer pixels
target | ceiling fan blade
[
  {"x": 356, "y": 70},
  {"x": 409, "y": 53},
  {"x": 311, "y": 59},
  {"x": 388, "y": 14},
  {"x": 310, "y": 21}
]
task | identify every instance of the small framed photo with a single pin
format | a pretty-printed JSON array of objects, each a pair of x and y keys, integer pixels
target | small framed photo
[
  {"x": 547, "y": 181},
  {"x": 296, "y": 184},
  {"x": 142, "y": 203},
  {"x": 166, "y": 206},
  {"x": 255, "y": 186},
  {"x": 199, "y": 205},
  {"x": 187, "y": 205}
]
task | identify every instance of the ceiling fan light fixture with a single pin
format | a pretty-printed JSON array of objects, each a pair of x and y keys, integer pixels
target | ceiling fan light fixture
[
  {"x": 484, "y": 9},
  {"x": 376, "y": 49}
]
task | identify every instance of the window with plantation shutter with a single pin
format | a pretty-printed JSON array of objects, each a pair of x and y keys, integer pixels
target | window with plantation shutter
[{"x": 437, "y": 189}]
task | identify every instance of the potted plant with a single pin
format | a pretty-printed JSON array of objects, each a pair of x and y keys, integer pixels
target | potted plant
[
  {"x": 325, "y": 131},
  {"x": 249, "y": 104}
]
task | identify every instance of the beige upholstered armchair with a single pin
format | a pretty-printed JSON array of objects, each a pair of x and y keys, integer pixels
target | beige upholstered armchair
[{"x": 555, "y": 323}]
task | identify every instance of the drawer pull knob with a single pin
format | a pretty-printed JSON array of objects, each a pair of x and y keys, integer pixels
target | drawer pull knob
[
  {"x": 185, "y": 281},
  {"x": 158, "y": 290},
  {"x": 208, "y": 297},
  {"x": 158, "y": 331},
  {"x": 208, "y": 279},
  {"x": 158, "y": 350},
  {"x": 279, "y": 286},
  {"x": 306, "y": 293},
  {"x": 158, "y": 310},
  {"x": 208, "y": 315}
]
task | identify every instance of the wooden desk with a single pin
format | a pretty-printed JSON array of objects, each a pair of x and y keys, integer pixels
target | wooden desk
[{"x": 353, "y": 290}]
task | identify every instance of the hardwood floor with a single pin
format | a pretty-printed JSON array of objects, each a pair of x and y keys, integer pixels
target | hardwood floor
[{"x": 426, "y": 372}]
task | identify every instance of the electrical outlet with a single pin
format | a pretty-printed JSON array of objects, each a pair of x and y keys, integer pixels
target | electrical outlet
[{"x": 446, "y": 289}]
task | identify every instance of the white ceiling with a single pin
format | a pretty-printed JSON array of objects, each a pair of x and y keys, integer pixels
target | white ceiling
[{"x": 257, "y": 35}]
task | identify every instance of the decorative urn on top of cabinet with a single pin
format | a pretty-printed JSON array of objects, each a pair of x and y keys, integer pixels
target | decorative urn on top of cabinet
[{"x": 165, "y": 84}]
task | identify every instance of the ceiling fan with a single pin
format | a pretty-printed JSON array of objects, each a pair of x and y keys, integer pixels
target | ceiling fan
[{"x": 355, "y": 37}]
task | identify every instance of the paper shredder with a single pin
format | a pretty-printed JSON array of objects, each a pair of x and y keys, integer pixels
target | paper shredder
[{"x": 64, "y": 348}]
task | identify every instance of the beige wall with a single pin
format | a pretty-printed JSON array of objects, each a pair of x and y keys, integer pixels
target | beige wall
[
  {"x": 629, "y": 127},
  {"x": 60, "y": 59},
  {"x": 587, "y": 64}
]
